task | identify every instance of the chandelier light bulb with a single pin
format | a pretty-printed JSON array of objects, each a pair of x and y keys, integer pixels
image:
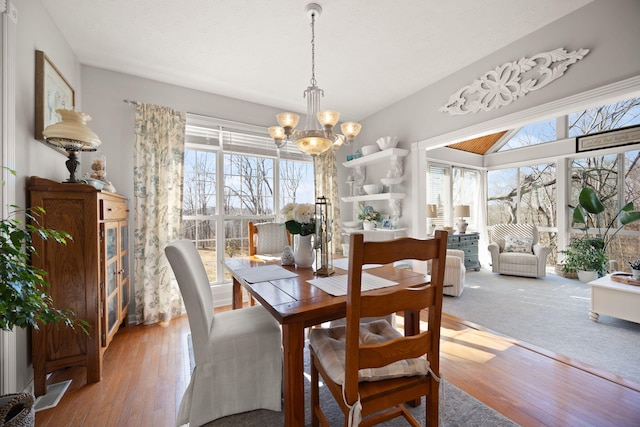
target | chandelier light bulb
[
  {"x": 278, "y": 135},
  {"x": 328, "y": 119},
  {"x": 288, "y": 121},
  {"x": 350, "y": 130}
]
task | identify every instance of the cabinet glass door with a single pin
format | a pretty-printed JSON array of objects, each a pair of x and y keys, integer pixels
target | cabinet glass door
[
  {"x": 124, "y": 263},
  {"x": 111, "y": 277}
]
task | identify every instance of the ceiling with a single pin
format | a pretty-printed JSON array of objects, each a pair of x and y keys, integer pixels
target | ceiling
[{"x": 369, "y": 53}]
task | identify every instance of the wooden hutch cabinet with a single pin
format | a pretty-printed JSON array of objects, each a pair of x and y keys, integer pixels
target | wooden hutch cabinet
[{"x": 89, "y": 275}]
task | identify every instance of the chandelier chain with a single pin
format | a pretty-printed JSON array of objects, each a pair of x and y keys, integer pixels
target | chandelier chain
[{"x": 313, "y": 50}]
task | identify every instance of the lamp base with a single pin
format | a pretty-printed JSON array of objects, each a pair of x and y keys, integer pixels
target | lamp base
[
  {"x": 72, "y": 166},
  {"x": 461, "y": 226}
]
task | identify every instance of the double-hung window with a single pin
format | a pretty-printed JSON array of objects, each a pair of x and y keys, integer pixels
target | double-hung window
[{"x": 234, "y": 174}]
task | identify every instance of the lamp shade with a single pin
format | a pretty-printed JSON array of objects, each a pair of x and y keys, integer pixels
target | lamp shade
[
  {"x": 462, "y": 211},
  {"x": 328, "y": 118},
  {"x": 72, "y": 132},
  {"x": 288, "y": 120},
  {"x": 350, "y": 130},
  {"x": 432, "y": 211}
]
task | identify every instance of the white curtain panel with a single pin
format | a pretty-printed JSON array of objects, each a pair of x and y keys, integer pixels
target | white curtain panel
[{"x": 158, "y": 166}]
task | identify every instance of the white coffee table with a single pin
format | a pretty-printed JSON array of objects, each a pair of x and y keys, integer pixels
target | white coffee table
[{"x": 614, "y": 299}]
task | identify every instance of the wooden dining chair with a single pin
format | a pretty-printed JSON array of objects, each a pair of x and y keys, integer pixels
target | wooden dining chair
[
  {"x": 267, "y": 238},
  {"x": 370, "y": 368}
]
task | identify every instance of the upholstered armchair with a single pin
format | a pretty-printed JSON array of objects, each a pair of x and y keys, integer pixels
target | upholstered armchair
[{"x": 515, "y": 250}]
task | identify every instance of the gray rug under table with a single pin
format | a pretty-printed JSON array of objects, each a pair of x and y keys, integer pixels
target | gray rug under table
[{"x": 459, "y": 409}]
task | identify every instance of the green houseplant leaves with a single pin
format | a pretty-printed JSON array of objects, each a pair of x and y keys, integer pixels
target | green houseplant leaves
[
  {"x": 24, "y": 300},
  {"x": 590, "y": 207}
]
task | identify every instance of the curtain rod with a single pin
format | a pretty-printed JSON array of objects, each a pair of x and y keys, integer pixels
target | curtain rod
[{"x": 222, "y": 122}]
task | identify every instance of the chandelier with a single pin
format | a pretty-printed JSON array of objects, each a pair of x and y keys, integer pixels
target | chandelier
[{"x": 318, "y": 136}]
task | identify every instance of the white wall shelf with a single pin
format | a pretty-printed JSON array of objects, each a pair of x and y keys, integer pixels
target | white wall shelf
[
  {"x": 394, "y": 159},
  {"x": 376, "y": 157},
  {"x": 369, "y": 197}
]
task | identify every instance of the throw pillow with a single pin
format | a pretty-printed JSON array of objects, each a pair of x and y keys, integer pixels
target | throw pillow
[{"x": 521, "y": 244}]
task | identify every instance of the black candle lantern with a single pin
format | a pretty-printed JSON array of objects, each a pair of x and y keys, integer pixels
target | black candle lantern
[{"x": 324, "y": 243}]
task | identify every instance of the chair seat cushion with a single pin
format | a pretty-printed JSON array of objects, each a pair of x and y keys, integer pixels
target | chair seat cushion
[
  {"x": 329, "y": 346},
  {"x": 518, "y": 258}
]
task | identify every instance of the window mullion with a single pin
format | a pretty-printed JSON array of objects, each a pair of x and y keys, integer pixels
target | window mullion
[{"x": 220, "y": 217}]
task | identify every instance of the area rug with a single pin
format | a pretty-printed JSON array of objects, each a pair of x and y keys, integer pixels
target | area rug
[
  {"x": 459, "y": 409},
  {"x": 551, "y": 313}
]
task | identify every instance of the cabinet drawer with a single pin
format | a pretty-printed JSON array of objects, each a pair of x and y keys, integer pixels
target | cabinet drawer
[
  {"x": 111, "y": 209},
  {"x": 469, "y": 239}
]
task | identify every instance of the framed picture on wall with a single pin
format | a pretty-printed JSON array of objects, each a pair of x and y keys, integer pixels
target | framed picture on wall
[
  {"x": 53, "y": 92},
  {"x": 609, "y": 138}
]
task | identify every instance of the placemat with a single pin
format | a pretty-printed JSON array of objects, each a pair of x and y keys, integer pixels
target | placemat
[
  {"x": 337, "y": 285},
  {"x": 264, "y": 273}
]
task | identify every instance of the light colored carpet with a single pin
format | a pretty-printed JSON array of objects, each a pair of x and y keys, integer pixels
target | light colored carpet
[
  {"x": 551, "y": 313},
  {"x": 459, "y": 409}
]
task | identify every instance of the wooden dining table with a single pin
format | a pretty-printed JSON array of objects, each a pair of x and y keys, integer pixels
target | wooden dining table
[{"x": 296, "y": 305}]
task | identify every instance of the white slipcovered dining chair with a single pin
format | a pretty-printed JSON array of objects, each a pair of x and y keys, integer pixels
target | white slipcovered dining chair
[
  {"x": 516, "y": 251},
  {"x": 238, "y": 354},
  {"x": 454, "y": 272}
]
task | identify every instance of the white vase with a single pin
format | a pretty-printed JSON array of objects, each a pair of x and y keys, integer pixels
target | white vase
[
  {"x": 368, "y": 225},
  {"x": 304, "y": 253},
  {"x": 587, "y": 276}
]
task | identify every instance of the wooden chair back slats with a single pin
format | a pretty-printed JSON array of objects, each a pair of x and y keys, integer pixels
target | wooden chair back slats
[
  {"x": 377, "y": 355},
  {"x": 406, "y": 299},
  {"x": 380, "y": 253}
]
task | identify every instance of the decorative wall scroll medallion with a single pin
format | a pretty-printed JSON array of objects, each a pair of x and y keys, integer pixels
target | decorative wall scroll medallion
[{"x": 511, "y": 81}]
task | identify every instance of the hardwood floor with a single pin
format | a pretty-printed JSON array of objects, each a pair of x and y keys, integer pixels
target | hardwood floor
[{"x": 146, "y": 372}]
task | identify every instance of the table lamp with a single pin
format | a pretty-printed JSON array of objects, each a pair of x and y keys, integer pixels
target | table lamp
[
  {"x": 462, "y": 211},
  {"x": 72, "y": 135},
  {"x": 432, "y": 214}
]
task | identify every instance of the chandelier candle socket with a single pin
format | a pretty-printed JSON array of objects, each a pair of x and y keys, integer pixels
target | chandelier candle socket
[{"x": 318, "y": 136}]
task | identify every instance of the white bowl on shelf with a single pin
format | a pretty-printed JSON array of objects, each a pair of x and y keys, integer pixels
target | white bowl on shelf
[
  {"x": 369, "y": 149},
  {"x": 387, "y": 142},
  {"x": 391, "y": 181},
  {"x": 352, "y": 224},
  {"x": 372, "y": 188}
]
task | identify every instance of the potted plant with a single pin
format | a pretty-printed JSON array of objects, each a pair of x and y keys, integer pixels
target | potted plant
[
  {"x": 635, "y": 268},
  {"x": 369, "y": 216},
  {"x": 24, "y": 301},
  {"x": 587, "y": 258}
]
